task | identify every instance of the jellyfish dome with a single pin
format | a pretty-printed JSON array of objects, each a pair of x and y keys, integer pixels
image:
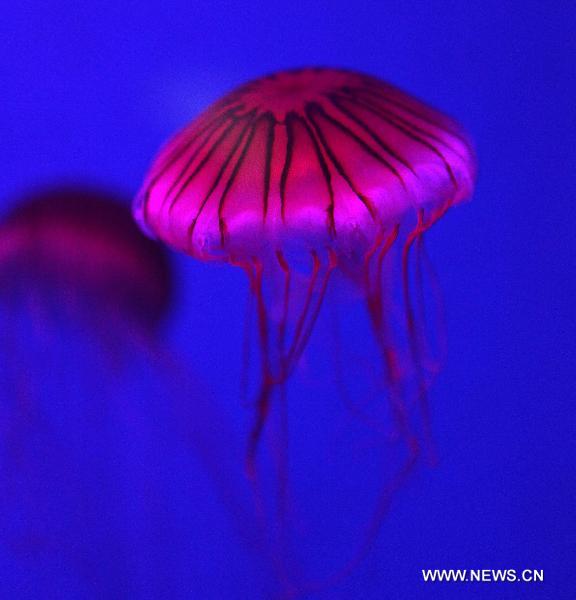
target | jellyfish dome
[
  {"x": 83, "y": 242},
  {"x": 301, "y": 175},
  {"x": 318, "y": 158}
]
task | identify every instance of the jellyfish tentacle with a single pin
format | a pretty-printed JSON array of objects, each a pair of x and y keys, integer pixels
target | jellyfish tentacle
[
  {"x": 440, "y": 316},
  {"x": 251, "y": 308},
  {"x": 372, "y": 285},
  {"x": 382, "y": 508},
  {"x": 383, "y": 504},
  {"x": 400, "y": 415},
  {"x": 267, "y": 383},
  {"x": 263, "y": 405},
  {"x": 254, "y": 271},
  {"x": 353, "y": 407},
  {"x": 286, "y": 300},
  {"x": 273, "y": 380},
  {"x": 283, "y": 434},
  {"x": 376, "y": 310},
  {"x": 289, "y": 355},
  {"x": 431, "y": 364},
  {"x": 283, "y": 464},
  {"x": 301, "y": 344},
  {"x": 415, "y": 333},
  {"x": 283, "y": 407},
  {"x": 398, "y": 407}
]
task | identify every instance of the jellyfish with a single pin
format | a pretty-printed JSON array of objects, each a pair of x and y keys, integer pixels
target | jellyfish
[
  {"x": 82, "y": 298},
  {"x": 70, "y": 259},
  {"x": 303, "y": 176},
  {"x": 95, "y": 462}
]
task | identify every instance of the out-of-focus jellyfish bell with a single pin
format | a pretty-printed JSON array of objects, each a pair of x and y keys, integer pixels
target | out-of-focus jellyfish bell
[
  {"x": 300, "y": 175},
  {"x": 81, "y": 247},
  {"x": 100, "y": 431}
]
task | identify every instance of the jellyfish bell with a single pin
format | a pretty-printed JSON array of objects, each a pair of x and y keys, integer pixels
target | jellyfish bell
[
  {"x": 303, "y": 174},
  {"x": 326, "y": 157},
  {"x": 82, "y": 245}
]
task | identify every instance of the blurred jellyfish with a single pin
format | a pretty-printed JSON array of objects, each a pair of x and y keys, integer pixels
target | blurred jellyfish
[
  {"x": 100, "y": 492},
  {"x": 309, "y": 174}
]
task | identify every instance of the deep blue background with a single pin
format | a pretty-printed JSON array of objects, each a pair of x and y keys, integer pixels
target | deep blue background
[{"x": 88, "y": 92}]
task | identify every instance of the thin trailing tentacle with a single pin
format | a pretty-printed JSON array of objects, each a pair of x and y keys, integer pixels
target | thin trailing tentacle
[
  {"x": 415, "y": 333},
  {"x": 287, "y": 361},
  {"x": 401, "y": 417},
  {"x": 300, "y": 345}
]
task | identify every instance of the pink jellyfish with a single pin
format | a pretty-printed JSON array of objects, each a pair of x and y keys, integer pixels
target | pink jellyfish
[
  {"x": 81, "y": 243},
  {"x": 303, "y": 173},
  {"x": 91, "y": 417},
  {"x": 82, "y": 296}
]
